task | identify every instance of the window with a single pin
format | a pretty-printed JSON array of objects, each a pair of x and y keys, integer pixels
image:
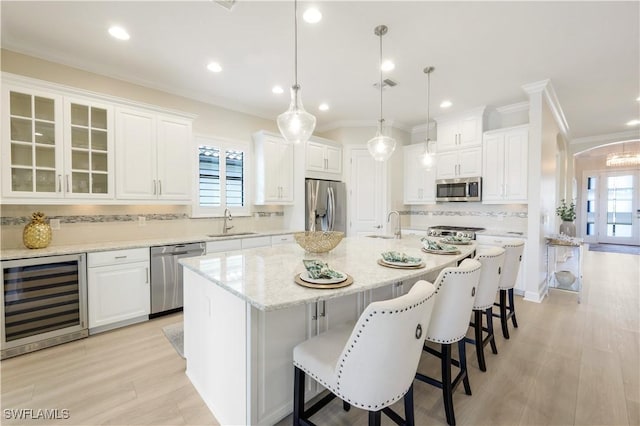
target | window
[{"x": 221, "y": 183}]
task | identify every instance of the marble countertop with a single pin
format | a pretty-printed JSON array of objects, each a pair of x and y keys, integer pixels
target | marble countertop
[
  {"x": 264, "y": 277},
  {"x": 89, "y": 247}
]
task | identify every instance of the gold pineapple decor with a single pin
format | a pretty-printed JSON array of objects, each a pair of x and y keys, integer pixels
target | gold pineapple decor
[{"x": 37, "y": 233}]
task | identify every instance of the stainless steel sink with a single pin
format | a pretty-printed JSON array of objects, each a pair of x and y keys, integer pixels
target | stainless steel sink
[
  {"x": 384, "y": 237},
  {"x": 231, "y": 234}
]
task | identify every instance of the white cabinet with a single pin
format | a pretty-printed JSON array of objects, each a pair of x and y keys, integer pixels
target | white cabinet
[
  {"x": 55, "y": 146},
  {"x": 118, "y": 288},
  {"x": 153, "y": 156},
  {"x": 505, "y": 156},
  {"x": 254, "y": 242},
  {"x": 459, "y": 163},
  {"x": 501, "y": 241},
  {"x": 274, "y": 169},
  {"x": 223, "y": 245},
  {"x": 323, "y": 159},
  {"x": 419, "y": 184},
  {"x": 460, "y": 131},
  {"x": 282, "y": 239}
]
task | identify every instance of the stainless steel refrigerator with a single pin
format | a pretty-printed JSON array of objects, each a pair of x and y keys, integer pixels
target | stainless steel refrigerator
[{"x": 326, "y": 205}]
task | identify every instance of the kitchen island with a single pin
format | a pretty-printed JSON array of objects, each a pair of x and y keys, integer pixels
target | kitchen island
[{"x": 244, "y": 314}]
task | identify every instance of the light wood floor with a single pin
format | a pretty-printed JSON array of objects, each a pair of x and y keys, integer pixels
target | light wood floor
[{"x": 567, "y": 364}]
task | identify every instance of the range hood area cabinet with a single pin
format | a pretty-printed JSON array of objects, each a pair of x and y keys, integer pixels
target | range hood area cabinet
[
  {"x": 153, "y": 156},
  {"x": 419, "y": 184},
  {"x": 459, "y": 144},
  {"x": 323, "y": 159},
  {"x": 274, "y": 160},
  {"x": 505, "y": 165}
]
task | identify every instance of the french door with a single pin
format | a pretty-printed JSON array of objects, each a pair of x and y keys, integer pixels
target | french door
[{"x": 613, "y": 207}]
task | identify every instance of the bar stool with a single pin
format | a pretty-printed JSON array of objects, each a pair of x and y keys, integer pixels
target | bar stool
[
  {"x": 512, "y": 260},
  {"x": 492, "y": 260},
  {"x": 456, "y": 290},
  {"x": 371, "y": 365}
]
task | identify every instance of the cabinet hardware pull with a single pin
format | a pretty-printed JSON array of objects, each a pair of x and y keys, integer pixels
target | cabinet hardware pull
[
  {"x": 147, "y": 271},
  {"x": 159, "y": 187},
  {"x": 120, "y": 257},
  {"x": 59, "y": 183},
  {"x": 315, "y": 314},
  {"x": 324, "y": 309},
  {"x": 67, "y": 182},
  {"x": 154, "y": 187}
]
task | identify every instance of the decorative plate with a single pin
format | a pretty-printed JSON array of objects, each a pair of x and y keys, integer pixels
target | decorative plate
[
  {"x": 448, "y": 251},
  {"x": 340, "y": 276},
  {"x": 346, "y": 282},
  {"x": 382, "y": 262}
]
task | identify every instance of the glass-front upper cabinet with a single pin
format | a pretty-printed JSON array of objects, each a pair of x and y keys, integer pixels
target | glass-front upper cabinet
[
  {"x": 31, "y": 143},
  {"x": 88, "y": 154}
]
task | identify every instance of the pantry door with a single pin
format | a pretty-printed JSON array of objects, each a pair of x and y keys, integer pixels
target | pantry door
[{"x": 366, "y": 191}]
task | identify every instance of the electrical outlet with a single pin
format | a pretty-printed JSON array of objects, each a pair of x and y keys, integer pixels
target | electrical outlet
[
  {"x": 142, "y": 221},
  {"x": 55, "y": 224}
]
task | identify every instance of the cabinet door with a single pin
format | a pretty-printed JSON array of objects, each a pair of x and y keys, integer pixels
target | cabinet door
[
  {"x": 32, "y": 144},
  {"x": 447, "y": 165},
  {"x": 285, "y": 168},
  {"x": 272, "y": 152},
  {"x": 136, "y": 156},
  {"x": 334, "y": 160},
  {"x": 174, "y": 157},
  {"x": 316, "y": 160},
  {"x": 419, "y": 184},
  {"x": 470, "y": 131},
  {"x": 88, "y": 150},
  {"x": 256, "y": 242},
  {"x": 447, "y": 136},
  {"x": 118, "y": 293},
  {"x": 515, "y": 165},
  {"x": 470, "y": 162},
  {"x": 493, "y": 168},
  {"x": 224, "y": 245}
]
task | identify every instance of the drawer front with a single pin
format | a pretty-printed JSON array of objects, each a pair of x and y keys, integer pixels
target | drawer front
[
  {"x": 282, "y": 239},
  {"x": 115, "y": 257},
  {"x": 256, "y": 242},
  {"x": 224, "y": 245}
]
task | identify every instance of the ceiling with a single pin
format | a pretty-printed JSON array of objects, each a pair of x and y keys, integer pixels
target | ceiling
[{"x": 483, "y": 52}]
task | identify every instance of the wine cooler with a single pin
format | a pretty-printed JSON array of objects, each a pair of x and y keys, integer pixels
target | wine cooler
[{"x": 43, "y": 302}]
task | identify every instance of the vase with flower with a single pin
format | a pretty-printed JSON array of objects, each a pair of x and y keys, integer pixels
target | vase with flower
[{"x": 567, "y": 213}]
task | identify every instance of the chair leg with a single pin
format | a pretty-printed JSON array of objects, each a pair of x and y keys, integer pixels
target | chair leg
[
  {"x": 512, "y": 309},
  {"x": 462, "y": 354},
  {"x": 503, "y": 313},
  {"x": 298, "y": 395},
  {"x": 408, "y": 407},
  {"x": 492, "y": 337},
  {"x": 477, "y": 328},
  {"x": 374, "y": 418},
  {"x": 346, "y": 406},
  {"x": 447, "y": 388}
]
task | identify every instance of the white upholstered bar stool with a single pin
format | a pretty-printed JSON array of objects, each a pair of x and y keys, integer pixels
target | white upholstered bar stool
[
  {"x": 370, "y": 365},
  {"x": 455, "y": 293},
  {"x": 512, "y": 261},
  {"x": 492, "y": 260}
]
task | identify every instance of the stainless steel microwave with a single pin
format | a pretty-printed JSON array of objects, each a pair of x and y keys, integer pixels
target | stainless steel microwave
[{"x": 461, "y": 189}]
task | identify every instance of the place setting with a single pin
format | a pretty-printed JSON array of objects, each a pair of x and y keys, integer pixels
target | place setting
[
  {"x": 456, "y": 240},
  {"x": 435, "y": 247},
  {"x": 394, "y": 259},
  {"x": 318, "y": 274}
]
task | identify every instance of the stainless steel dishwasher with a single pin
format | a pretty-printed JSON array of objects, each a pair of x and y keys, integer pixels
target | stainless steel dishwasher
[{"x": 166, "y": 276}]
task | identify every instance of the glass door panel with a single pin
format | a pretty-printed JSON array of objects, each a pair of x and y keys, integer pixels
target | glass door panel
[
  {"x": 619, "y": 223},
  {"x": 591, "y": 208}
]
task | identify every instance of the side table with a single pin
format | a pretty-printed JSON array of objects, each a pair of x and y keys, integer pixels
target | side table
[{"x": 564, "y": 264}]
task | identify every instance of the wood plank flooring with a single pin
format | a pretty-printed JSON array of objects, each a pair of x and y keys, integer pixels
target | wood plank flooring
[{"x": 567, "y": 364}]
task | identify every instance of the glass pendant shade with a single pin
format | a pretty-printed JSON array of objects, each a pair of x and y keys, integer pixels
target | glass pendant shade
[
  {"x": 428, "y": 161},
  {"x": 296, "y": 124},
  {"x": 380, "y": 146}
]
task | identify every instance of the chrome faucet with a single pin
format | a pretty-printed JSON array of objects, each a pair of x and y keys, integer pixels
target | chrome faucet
[
  {"x": 227, "y": 218},
  {"x": 398, "y": 233}
]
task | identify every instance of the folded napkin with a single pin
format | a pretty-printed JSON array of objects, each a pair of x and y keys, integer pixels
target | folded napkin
[
  {"x": 319, "y": 270},
  {"x": 434, "y": 245},
  {"x": 457, "y": 239},
  {"x": 394, "y": 256}
]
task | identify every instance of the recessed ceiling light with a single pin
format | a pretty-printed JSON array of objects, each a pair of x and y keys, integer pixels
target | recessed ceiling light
[
  {"x": 387, "y": 66},
  {"x": 323, "y": 107},
  {"x": 445, "y": 104},
  {"x": 633, "y": 123},
  {"x": 214, "y": 67},
  {"x": 277, "y": 90},
  {"x": 312, "y": 15},
  {"x": 119, "y": 33}
]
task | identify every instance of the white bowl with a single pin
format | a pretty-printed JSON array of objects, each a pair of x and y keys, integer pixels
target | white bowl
[{"x": 565, "y": 278}]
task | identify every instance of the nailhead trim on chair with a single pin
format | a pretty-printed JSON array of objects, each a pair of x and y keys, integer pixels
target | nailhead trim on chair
[
  {"x": 477, "y": 308},
  {"x": 519, "y": 260},
  {"x": 455, "y": 339},
  {"x": 336, "y": 391}
]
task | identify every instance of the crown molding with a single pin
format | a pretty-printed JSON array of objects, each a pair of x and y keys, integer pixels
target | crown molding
[
  {"x": 608, "y": 138},
  {"x": 456, "y": 115},
  {"x": 545, "y": 87},
  {"x": 362, "y": 123},
  {"x": 508, "y": 109},
  {"x": 420, "y": 128}
]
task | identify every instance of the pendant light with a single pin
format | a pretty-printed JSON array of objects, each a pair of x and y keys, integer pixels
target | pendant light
[
  {"x": 381, "y": 147},
  {"x": 296, "y": 124},
  {"x": 428, "y": 159}
]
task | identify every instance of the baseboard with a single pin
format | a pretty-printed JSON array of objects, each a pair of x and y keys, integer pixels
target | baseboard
[{"x": 118, "y": 324}]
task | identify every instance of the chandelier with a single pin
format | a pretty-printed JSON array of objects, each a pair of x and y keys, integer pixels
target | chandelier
[{"x": 622, "y": 159}]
